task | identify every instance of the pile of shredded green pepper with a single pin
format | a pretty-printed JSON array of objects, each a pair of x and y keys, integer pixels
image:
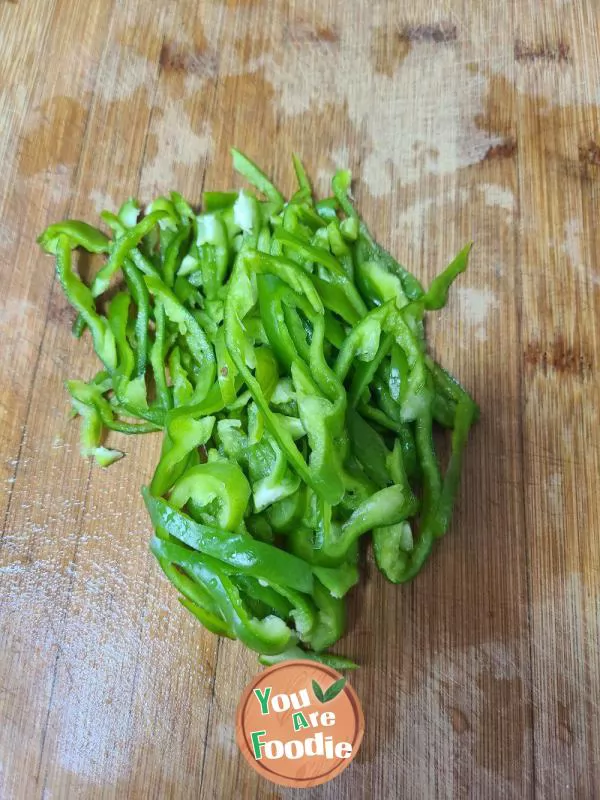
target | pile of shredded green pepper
[{"x": 281, "y": 352}]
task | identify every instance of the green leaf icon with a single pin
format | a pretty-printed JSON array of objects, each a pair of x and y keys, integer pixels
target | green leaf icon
[
  {"x": 334, "y": 689},
  {"x": 318, "y": 692}
]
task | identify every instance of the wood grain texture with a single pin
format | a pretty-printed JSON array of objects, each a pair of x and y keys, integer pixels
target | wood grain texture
[{"x": 461, "y": 120}]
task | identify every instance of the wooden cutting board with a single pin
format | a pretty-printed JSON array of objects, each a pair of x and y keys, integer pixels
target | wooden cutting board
[{"x": 460, "y": 120}]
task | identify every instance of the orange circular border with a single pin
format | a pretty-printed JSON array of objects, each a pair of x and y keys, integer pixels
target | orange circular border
[{"x": 269, "y": 774}]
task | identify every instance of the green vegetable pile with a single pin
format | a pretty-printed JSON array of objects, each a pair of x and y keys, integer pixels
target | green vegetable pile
[{"x": 282, "y": 353}]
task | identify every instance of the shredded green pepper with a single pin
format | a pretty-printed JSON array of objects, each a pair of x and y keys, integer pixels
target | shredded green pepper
[{"x": 282, "y": 353}]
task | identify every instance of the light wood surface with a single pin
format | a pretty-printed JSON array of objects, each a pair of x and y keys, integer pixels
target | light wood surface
[{"x": 460, "y": 120}]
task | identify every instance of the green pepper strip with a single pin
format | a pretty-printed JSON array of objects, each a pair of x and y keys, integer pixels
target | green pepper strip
[
  {"x": 212, "y": 623},
  {"x": 255, "y": 176},
  {"x": 304, "y": 612},
  {"x": 267, "y": 374},
  {"x": 322, "y": 417},
  {"x": 265, "y": 594},
  {"x": 182, "y": 388},
  {"x": 327, "y": 208},
  {"x": 443, "y": 411},
  {"x": 419, "y": 390},
  {"x": 143, "y": 264},
  {"x": 335, "y": 299},
  {"x": 125, "y": 246},
  {"x": 368, "y": 448},
  {"x": 437, "y": 294},
  {"x": 212, "y": 404},
  {"x": 396, "y": 466},
  {"x": 184, "y": 433},
  {"x": 236, "y": 308},
  {"x": 391, "y": 546},
  {"x": 385, "y": 507},
  {"x": 82, "y": 300},
  {"x": 274, "y": 296},
  {"x": 273, "y": 480},
  {"x": 226, "y": 369},
  {"x": 197, "y": 599},
  {"x": 239, "y": 550},
  {"x": 341, "y": 186},
  {"x": 367, "y": 249},
  {"x": 335, "y": 332},
  {"x": 338, "y": 580},
  {"x": 407, "y": 565},
  {"x": 309, "y": 217},
  {"x": 377, "y": 284},
  {"x": 331, "y": 619},
  {"x": 389, "y": 416},
  {"x": 429, "y": 465},
  {"x": 92, "y": 395},
  {"x": 340, "y": 249},
  {"x": 293, "y": 225},
  {"x": 216, "y": 201},
  {"x": 363, "y": 341},
  {"x": 310, "y": 253},
  {"x": 294, "y": 653},
  {"x": 182, "y": 207},
  {"x": 365, "y": 371},
  {"x": 270, "y": 635},
  {"x": 118, "y": 316},
  {"x": 139, "y": 292},
  {"x": 448, "y": 385},
  {"x": 91, "y": 435},
  {"x": 157, "y": 357},
  {"x": 323, "y": 421},
  {"x": 199, "y": 346},
  {"x": 122, "y": 248},
  {"x": 465, "y": 416},
  {"x": 172, "y": 256},
  {"x": 79, "y": 234},
  {"x": 301, "y": 175},
  {"x": 349, "y": 228},
  {"x": 285, "y": 514},
  {"x": 320, "y": 255},
  {"x": 215, "y": 482},
  {"x": 213, "y": 253},
  {"x": 129, "y": 213},
  {"x": 199, "y": 594},
  {"x": 398, "y": 374}
]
